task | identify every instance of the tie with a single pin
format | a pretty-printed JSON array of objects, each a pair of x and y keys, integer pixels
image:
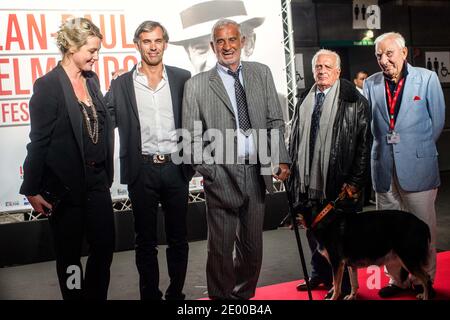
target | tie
[
  {"x": 315, "y": 122},
  {"x": 241, "y": 101}
]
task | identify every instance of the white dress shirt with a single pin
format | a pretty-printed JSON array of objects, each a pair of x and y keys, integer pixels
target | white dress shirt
[{"x": 158, "y": 134}]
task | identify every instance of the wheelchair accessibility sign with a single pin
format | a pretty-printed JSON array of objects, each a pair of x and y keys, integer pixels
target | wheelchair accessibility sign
[
  {"x": 366, "y": 14},
  {"x": 439, "y": 62}
]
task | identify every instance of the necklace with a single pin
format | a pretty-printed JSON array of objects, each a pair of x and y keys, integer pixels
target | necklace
[{"x": 92, "y": 126}]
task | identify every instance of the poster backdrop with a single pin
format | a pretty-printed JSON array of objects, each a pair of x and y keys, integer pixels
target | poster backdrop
[{"x": 28, "y": 51}]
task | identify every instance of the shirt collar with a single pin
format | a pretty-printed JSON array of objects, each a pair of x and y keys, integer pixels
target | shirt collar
[
  {"x": 324, "y": 91},
  {"x": 140, "y": 74},
  {"x": 224, "y": 69}
]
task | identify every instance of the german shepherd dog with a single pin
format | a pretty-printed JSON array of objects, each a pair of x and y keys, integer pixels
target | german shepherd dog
[{"x": 370, "y": 238}]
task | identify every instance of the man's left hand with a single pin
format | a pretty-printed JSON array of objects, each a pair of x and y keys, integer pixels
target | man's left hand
[{"x": 283, "y": 172}]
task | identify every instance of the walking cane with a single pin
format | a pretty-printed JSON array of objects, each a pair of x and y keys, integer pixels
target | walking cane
[{"x": 297, "y": 237}]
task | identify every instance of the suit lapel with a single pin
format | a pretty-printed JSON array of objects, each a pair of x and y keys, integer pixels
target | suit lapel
[
  {"x": 380, "y": 86},
  {"x": 216, "y": 84},
  {"x": 411, "y": 86},
  {"x": 174, "y": 89},
  {"x": 251, "y": 93},
  {"x": 73, "y": 109},
  {"x": 129, "y": 86}
]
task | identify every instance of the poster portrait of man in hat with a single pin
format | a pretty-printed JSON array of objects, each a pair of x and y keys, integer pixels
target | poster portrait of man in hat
[{"x": 197, "y": 19}]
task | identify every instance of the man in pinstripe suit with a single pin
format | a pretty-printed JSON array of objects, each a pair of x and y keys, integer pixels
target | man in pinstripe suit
[{"x": 233, "y": 95}]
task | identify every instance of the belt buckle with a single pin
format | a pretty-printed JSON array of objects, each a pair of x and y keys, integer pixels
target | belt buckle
[{"x": 159, "y": 158}]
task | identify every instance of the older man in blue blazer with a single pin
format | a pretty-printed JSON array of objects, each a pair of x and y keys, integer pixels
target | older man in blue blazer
[{"x": 408, "y": 113}]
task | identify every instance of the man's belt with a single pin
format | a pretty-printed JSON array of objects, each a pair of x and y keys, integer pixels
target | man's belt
[{"x": 157, "y": 158}]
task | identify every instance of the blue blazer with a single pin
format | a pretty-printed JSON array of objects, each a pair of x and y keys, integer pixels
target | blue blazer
[{"x": 419, "y": 124}]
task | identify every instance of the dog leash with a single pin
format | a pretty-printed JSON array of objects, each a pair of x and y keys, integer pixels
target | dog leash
[{"x": 330, "y": 206}]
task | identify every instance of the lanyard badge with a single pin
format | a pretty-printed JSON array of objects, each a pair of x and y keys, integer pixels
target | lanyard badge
[{"x": 393, "y": 137}]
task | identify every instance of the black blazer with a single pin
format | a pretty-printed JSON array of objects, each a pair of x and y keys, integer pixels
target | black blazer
[
  {"x": 121, "y": 101},
  {"x": 55, "y": 155}
]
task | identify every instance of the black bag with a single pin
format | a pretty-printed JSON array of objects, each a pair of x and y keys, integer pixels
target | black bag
[
  {"x": 54, "y": 196},
  {"x": 53, "y": 191}
]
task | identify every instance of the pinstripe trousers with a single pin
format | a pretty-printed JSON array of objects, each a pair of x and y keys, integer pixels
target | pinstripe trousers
[{"x": 235, "y": 241}]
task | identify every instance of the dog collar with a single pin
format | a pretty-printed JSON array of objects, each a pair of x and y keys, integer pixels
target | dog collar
[{"x": 330, "y": 206}]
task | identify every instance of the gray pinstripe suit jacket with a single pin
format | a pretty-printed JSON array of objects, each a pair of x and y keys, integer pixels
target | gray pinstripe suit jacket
[{"x": 206, "y": 100}]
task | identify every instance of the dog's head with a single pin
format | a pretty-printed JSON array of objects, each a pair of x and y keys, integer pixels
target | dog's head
[{"x": 348, "y": 204}]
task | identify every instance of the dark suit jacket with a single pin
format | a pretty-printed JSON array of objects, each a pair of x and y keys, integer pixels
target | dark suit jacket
[
  {"x": 55, "y": 154},
  {"x": 121, "y": 101}
]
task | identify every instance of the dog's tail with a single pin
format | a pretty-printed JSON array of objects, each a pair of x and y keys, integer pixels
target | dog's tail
[
  {"x": 415, "y": 252},
  {"x": 423, "y": 238},
  {"x": 426, "y": 248}
]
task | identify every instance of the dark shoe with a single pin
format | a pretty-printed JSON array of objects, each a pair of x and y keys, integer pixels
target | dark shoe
[
  {"x": 314, "y": 283},
  {"x": 391, "y": 291},
  {"x": 418, "y": 289},
  {"x": 176, "y": 297}
]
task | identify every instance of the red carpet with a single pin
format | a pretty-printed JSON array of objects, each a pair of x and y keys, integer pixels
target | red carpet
[{"x": 288, "y": 291}]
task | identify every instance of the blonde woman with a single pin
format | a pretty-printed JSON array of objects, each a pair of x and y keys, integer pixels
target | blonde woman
[{"x": 68, "y": 169}]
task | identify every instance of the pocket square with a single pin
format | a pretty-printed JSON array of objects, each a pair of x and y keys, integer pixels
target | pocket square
[{"x": 417, "y": 98}]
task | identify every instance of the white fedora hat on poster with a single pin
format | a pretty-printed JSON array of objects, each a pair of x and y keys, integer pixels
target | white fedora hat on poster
[{"x": 199, "y": 17}]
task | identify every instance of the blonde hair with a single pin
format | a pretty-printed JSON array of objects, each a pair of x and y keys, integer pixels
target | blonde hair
[{"x": 75, "y": 32}]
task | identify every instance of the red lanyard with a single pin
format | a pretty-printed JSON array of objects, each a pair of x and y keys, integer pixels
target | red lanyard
[{"x": 393, "y": 101}]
